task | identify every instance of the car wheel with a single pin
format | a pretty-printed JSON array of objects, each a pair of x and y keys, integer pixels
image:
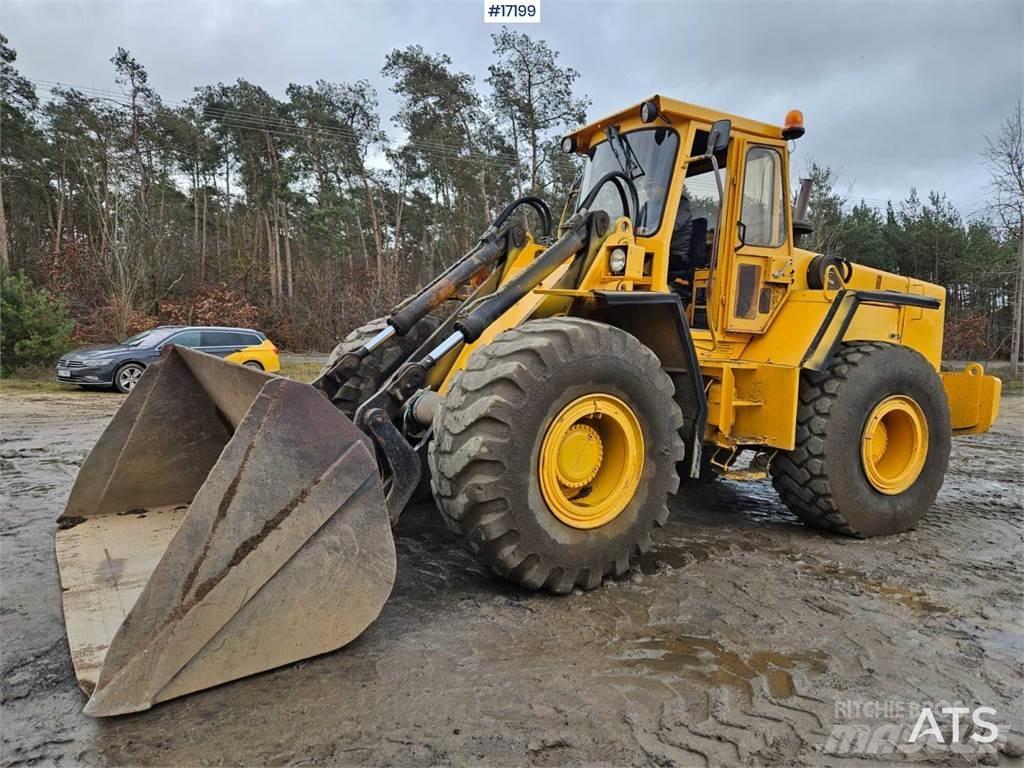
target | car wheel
[
  {"x": 127, "y": 376},
  {"x": 253, "y": 364}
]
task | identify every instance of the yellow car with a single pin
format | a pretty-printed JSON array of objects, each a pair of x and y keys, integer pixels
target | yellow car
[{"x": 263, "y": 356}]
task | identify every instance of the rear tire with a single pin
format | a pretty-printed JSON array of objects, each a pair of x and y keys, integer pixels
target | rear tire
[
  {"x": 825, "y": 480},
  {"x": 490, "y": 433},
  {"x": 379, "y": 364},
  {"x": 253, "y": 364}
]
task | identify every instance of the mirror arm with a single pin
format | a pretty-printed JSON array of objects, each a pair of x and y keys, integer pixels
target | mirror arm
[
  {"x": 720, "y": 130},
  {"x": 713, "y": 264},
  {"x": 741, "y": 232}
]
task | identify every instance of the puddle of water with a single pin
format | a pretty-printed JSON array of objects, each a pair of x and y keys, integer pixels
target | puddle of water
[
  {"x": 707, "y": 662},
  {"x": 780, "y": 684},
  {"x": 680, "y": 553},
  {"x": 912, "y": 599}
]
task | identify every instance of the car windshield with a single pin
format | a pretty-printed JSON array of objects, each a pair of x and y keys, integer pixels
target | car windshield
[
  {"x": 148, "y": 338},
  {"x": 655, "y": 151}
]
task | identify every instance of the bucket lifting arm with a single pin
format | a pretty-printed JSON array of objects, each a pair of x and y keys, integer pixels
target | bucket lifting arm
[
  {"x": 376, "y": 416},
  {"x": 491, "y": 249}
]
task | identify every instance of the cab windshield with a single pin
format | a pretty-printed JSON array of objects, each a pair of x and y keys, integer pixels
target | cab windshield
[{"x": 651, "y": 153}]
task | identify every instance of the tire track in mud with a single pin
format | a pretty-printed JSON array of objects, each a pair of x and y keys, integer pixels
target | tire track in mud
[{"x": 731, "y": 643}]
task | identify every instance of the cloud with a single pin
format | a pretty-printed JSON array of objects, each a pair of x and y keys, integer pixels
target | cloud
[{"x": 896, "y": 94}]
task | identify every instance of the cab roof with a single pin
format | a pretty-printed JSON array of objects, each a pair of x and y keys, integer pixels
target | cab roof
[{"x": 681, "y": 110}]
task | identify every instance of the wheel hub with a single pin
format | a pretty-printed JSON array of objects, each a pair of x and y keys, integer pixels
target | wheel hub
[
  {"x": 129, "y": 377},
  {"x": 894, "y": 445},
  {"x": 579, "y": 456},
  {"x": 591, "y": 461}
]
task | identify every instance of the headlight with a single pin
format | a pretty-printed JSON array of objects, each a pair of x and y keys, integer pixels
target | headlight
[{"x": 617, "y": 261}]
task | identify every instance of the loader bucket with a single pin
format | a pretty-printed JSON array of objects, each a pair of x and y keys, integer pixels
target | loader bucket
[{"x": 227, "y": 522}]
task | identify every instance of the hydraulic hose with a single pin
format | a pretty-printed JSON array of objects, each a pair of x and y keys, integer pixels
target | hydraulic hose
[
  {"x": 492, "y": 246},
  {"x": 483, "y": 256},
  {"x": 542, "y": 209},
  {"x": 488, "y": 252},
  {"x": 411, "y": 375}
]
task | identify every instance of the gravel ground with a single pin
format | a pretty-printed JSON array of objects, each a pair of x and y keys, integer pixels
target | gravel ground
[{"x": 743, "y": 638}]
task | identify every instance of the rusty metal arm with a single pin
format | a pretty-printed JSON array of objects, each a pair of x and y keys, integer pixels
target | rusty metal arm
[
  {"x": 376, "y": 415},
  {"x": 491, "y": 249}
]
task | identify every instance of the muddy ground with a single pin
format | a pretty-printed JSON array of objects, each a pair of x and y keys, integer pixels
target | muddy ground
[{"x": 742, "y": 638}]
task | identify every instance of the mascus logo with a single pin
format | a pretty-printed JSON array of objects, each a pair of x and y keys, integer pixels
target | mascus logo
[{"x": 858, "y": 738}]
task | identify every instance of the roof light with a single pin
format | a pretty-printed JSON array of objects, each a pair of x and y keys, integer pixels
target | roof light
[
  {"x": 794, "y": 125},
  {"x": 568, "y": 145},
  {"x": 648, "y": 111}
]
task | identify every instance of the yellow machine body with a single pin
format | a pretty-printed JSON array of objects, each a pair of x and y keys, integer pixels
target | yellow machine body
[
  {"x": 762, "y": 315},
  {"x": 222, "y": 502}
]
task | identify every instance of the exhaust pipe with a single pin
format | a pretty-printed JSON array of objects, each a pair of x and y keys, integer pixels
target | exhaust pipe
[{"x": 801, "y": 226}]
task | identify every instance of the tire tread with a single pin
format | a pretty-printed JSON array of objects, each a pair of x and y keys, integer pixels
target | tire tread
[
  {"x": 478, "y": 418},
  {"x": 801, "y": 476}
]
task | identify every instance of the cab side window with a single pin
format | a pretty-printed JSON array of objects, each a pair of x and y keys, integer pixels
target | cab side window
[
  {"x": 763, "y": 213},
  {"x": 700, "y": 187}
]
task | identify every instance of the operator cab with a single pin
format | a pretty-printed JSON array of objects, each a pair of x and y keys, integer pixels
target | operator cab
[
  {"x": 647, "y": 157},
  {"x": 723, "y": 229}
]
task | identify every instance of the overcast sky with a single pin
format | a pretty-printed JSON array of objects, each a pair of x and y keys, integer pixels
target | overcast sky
[{"x": 895, "y": 94}]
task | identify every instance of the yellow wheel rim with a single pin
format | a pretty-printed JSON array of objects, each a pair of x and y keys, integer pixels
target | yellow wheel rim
[
  {"x": 591, "y": 461},
  {"x": 894, "y": 445}
]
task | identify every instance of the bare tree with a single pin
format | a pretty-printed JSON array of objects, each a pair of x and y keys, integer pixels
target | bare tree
[
  {"x": 121, "y": 255},
  {"x": 533, "y": 94},
  {"x": 1004, "y": 156},
  {"x": 17, "y": 100}
]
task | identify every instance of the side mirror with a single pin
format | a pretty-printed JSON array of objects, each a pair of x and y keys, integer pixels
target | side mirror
[{"x": 718, "y": 138}]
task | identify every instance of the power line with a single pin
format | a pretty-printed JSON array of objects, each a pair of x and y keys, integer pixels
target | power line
[
  {"x": 341, "y": 134},
  {"x": 282, "y": 127}
]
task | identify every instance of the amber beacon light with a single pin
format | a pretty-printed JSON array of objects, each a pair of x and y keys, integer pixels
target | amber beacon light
[{"x": 794, "y": 125}]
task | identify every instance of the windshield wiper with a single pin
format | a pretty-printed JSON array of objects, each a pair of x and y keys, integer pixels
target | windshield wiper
[{"x": 631, "y": 166}]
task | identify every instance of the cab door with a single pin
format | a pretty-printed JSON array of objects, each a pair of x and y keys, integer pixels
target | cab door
[{"x": 759, "y": 273}]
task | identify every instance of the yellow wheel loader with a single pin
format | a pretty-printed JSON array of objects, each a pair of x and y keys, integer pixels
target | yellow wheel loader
[{"x": 669, "y": 330}]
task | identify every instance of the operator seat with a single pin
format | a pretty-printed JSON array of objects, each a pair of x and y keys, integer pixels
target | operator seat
[{"x": 697, "y": 257}]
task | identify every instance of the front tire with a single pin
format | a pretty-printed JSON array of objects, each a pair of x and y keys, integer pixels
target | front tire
[
  {"x": 515, "y": 433},
  {"x": 253, "y": 364},
  {"x": 872, "y": 442},
  {"x": 127, "y": 376}
]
